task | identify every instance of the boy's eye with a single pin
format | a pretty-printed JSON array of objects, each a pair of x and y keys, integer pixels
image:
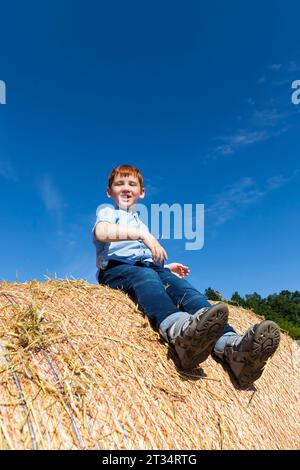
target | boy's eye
[{"x": 120, "y": 183}]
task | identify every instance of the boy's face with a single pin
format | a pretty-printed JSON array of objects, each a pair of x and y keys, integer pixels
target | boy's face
[{"x": 125, "y": 191}]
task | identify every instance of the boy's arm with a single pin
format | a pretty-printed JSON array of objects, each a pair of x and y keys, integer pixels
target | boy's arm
[{"x": 108, "y": 232}]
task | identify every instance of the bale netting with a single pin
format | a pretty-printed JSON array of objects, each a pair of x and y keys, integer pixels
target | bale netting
[{"x": 80, "y": 368}]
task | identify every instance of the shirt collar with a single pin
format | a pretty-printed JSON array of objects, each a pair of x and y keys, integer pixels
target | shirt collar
[{"x": 134, "y": 214}]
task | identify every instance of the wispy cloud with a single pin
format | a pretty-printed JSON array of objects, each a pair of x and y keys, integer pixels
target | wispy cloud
[
  {"x": 76, "y": 230},
  {"x": 281, "y": 82},
  {"x": 265, "y": 124},
  {"x": 81, "y": 267},
  {"x": 275, "y": 67},
  {"x": 230, "y": 202},
  {"x": 241, "y": 138},
  {"x": 289, "y": 67},
  {"x": 238, "y": 196},
  {"x": 72, "y": 240},
  {"x": 278, "y": 74},
  {"x": 52, "y": 198},
  {"x": 275, "y": 182},
  {"x": 150, "y": 188},
  {"x": 259, "y": 125},
  {"x": 261, "y": 79},
  {"x": 7, "y": 171},
  {"x": 293, "y": 67},
  {"x": 267, "y": 117}
]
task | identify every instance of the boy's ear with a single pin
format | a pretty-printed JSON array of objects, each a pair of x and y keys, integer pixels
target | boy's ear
[
  {"x": 108, "y": 191},
  {"x": 142, "y": 195}
]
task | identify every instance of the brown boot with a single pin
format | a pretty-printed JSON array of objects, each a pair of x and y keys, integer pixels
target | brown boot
[
  {"x": 247, "y": 355},
  {"x": 195, "y": 338}
]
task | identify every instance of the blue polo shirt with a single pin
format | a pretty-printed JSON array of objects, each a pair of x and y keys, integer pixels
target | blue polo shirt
[{"x": 128, "y": 251}]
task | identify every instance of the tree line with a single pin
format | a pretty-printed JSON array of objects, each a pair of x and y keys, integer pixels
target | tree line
[{"x": 283, "y": 308}]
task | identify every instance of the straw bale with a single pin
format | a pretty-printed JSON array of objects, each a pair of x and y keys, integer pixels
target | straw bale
[{"x": 80, "y": 368}]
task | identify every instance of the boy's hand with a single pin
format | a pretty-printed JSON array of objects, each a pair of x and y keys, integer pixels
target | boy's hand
[
  {"x": 178, "y": 269},
  {"x": 158, "y": 252}
]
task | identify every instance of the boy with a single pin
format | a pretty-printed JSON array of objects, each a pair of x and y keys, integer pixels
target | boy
[{"x": 131, "y": 259}]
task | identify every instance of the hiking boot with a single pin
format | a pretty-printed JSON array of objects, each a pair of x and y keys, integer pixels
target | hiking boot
[
  {"x": 248, "y": 355},
  {"x": 195, "y": 337}
]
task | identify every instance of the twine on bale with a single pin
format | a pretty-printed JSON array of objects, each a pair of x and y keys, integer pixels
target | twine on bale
[{"x": 81, "y": 368}]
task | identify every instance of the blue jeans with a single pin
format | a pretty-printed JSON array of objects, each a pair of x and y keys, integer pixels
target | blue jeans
[{"x": 159, "y": 293}]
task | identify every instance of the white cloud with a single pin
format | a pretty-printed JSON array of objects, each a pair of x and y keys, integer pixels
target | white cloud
[
  {"x": 52, "y": 198},
  {"x": 267, "y": 117},
  {"x": 246, "y": 137},
  {"x": 275, "y": 67},
  {"x": 261, "y": 80},
  {"x": 241, "y": 138},
  {"x": 230, "y": 144},
  {"x": 82, "y": 267},
  {"x": 284, "y": 69},
  {"x": 275, "y": 182},
  {"x": 224, "y": 149},
  {"x": 293, "y": 67},
  {"x": 282, "y": 82},
  {"x": 236, "y": 197},
  {"x": 72, "y": 240},
  {"x": 229, "y": 202},
  {"x": 259, "y": 125},
  {"x": 150, "y": 189}
]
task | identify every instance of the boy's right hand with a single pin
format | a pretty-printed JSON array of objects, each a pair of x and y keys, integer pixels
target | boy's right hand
[{"x": 158, "y": 252}]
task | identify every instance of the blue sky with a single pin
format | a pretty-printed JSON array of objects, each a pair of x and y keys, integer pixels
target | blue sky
[{"x": 195, "y": 94}]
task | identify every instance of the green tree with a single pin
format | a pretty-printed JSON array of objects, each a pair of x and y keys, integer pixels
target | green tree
[
  {"x": 212, "y": 294},
  {"x": 237, "y": 299},
  {"x": 283, "y": 308},
  {"x": 254, "y": 301}
]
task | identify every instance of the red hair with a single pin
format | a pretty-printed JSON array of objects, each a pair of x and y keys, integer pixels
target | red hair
[{"x": 125, "y": 170}]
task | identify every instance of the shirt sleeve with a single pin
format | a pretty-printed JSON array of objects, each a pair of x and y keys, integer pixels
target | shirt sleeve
[{"x": 105, "y": 214}]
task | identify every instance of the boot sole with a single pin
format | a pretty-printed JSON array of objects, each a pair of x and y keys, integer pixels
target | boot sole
[
  {"x": 195, "y": 348},
  {"x": 265, "y": 342}
]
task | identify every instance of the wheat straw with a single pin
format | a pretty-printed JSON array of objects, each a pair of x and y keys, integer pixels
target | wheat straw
[{"x": 81, "y": 368}]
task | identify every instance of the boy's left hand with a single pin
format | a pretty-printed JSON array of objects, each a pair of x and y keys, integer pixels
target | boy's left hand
[{"x": 178, "y": 269}]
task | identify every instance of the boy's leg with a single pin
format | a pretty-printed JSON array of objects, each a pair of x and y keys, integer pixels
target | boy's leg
[
  {"x": 145, "y": 287},
  {"x": 185, "y": 296},
  {"x": 198, "y": 332}
]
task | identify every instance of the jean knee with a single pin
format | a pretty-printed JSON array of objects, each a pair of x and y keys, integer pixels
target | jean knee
[
  {"x": 194, "y": 297},
  {"x": 146, "y": 276}
]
